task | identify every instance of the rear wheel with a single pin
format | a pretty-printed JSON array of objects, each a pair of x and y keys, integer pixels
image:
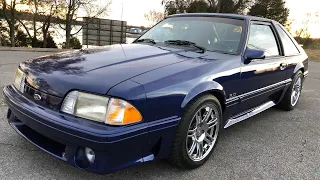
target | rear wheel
[
  {"x": 292, "y": 96},
  {"x": 197, "y": 133}
]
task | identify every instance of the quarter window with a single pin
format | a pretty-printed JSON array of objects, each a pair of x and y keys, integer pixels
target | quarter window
[
  {"x": 288, "y": 46},
  {"x": 262, "y": 38}
]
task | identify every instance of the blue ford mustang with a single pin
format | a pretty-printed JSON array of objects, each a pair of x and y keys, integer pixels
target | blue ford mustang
[{"x": 167, "y": 95}]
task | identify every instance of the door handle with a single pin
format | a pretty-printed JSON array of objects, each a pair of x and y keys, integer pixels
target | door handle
[{"x": 283, "y": 66}]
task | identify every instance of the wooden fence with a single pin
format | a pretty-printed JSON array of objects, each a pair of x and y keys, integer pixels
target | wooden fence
[{"x": 101, "y": 32}]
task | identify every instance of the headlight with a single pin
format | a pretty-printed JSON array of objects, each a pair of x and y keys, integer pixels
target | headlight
[
  {"x": 19, "y": 80},
  {"x": 101, "y": 109}
]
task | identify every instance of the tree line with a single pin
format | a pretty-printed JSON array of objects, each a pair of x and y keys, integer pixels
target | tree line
[
  {"x": 31, "y": 22},
  {"x": 272, "y": 9}
]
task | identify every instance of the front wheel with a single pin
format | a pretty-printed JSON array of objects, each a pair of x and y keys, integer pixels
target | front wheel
[
  {"x": 197, "y": 133},
  {"x": 292, "y": 96}
]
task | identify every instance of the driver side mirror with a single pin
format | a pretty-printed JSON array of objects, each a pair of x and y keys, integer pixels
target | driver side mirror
[{"x": 253, "y": 54}]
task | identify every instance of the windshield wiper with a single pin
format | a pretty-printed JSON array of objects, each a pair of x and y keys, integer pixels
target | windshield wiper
[
  {"x": 185, "y": 43},
  {"x": 146, "y": 40}
]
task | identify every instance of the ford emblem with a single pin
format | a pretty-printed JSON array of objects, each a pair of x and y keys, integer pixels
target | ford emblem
[{"x": 37, "y": 97}]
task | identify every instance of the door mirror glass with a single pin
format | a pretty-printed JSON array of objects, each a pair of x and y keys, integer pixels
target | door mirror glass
[{"x": 252, "y": 54}]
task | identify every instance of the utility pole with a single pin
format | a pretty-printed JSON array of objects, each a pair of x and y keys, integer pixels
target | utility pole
[{"x": 121, "y": 10}]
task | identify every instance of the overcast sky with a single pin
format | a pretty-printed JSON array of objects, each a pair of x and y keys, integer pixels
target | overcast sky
[
  {"x": 133, "y": 11},
  {"x": 298, "y": 11}
]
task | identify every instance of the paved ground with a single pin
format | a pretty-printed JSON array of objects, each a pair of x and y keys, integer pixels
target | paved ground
[{"x": 271, "y": 145}]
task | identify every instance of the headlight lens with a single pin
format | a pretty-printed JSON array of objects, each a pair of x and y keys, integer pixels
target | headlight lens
[
  {"x": 101, "y": 109},
  {"x": 19, "y": 80}
]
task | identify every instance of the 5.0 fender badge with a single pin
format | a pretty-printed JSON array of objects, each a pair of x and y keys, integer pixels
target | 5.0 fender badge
[{"x": 37, "y": 97}]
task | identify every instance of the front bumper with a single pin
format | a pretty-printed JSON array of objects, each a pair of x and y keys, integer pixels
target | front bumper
[{"x": 65, "y": 137}]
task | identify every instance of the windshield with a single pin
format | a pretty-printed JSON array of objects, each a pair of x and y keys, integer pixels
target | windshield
[{"x": 212, "y": 33}]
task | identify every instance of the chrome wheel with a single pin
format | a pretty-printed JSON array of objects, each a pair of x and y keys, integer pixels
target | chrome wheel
[
  {"x": 296, "y": 91},
  {"x": 202, "y": 133}
]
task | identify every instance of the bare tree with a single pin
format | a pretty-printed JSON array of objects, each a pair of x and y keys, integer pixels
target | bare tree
[
  {"x": 92, "y": 8},
  {"x": 219, "y": 3},
  {"x": 304, "y": 31},
  {"x": 10, "y": 14},
  {"x": 153, "y": 17},
  {"x": 50, "y": 12},
  {"x": 175, "y": 6},
  {"x": 3, "y": 34},
  {"x": 33, "y": 9},
  {"x": 41, "y": 13}
]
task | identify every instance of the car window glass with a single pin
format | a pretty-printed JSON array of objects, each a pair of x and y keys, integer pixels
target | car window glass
[
  {"x": 262, "y": 37},
  {"x": 212, "y": 33},
  {"x": 288, "y": 45}
]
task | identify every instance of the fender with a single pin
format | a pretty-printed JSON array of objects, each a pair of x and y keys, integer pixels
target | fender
[
  {"x": 298, "y": 67},
  {"x": 204, "y": 87}
]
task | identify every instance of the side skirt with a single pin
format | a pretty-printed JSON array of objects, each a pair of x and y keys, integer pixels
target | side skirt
[{"x": 252, "y": 112}]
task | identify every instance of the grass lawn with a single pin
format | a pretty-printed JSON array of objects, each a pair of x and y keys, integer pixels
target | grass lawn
[{"x": 314, "y": 54}]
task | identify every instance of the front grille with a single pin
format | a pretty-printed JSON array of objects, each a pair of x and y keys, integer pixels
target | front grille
[{"x": 46, "y": 100}]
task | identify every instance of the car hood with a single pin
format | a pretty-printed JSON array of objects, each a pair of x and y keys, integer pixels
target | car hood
[{"x": 96, "y": 70}]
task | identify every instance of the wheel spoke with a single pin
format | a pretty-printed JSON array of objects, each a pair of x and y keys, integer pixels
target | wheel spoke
[
  {"x": 198, "y": 118},
  {"x": 199, "y": 149},
  {"x": 209, "y": 135},
  {"x": 212, "y": 123},
  {"x": 207, "y": 116},
  {"x": 211, "y": 131},
  {"x": 295, "y": 97},
  {"x": 192, "y": 148},
  {"x": 208, "y": 139},
  {"x": 191, "y": 133}
]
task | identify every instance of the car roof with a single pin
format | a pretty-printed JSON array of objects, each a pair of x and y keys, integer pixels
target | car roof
[{"x": 224, "y": 15}]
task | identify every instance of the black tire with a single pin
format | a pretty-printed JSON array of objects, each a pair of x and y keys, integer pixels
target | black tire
[
  {"x": 285, "y": 103},
  {"x": 179, "y": 155}
]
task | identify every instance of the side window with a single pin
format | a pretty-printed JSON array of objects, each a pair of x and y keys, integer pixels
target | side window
[
  {"x": 262, "y": 37},
  {"x": 288, "y": 46}
]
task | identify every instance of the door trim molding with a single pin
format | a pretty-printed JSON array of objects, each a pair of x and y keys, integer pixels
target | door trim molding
[{"x": 257, "y": 92}]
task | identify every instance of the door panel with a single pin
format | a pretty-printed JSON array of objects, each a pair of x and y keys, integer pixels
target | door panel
[
  {"x": 262, "y": 80},
  {"x": 262, "y": 73}
]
